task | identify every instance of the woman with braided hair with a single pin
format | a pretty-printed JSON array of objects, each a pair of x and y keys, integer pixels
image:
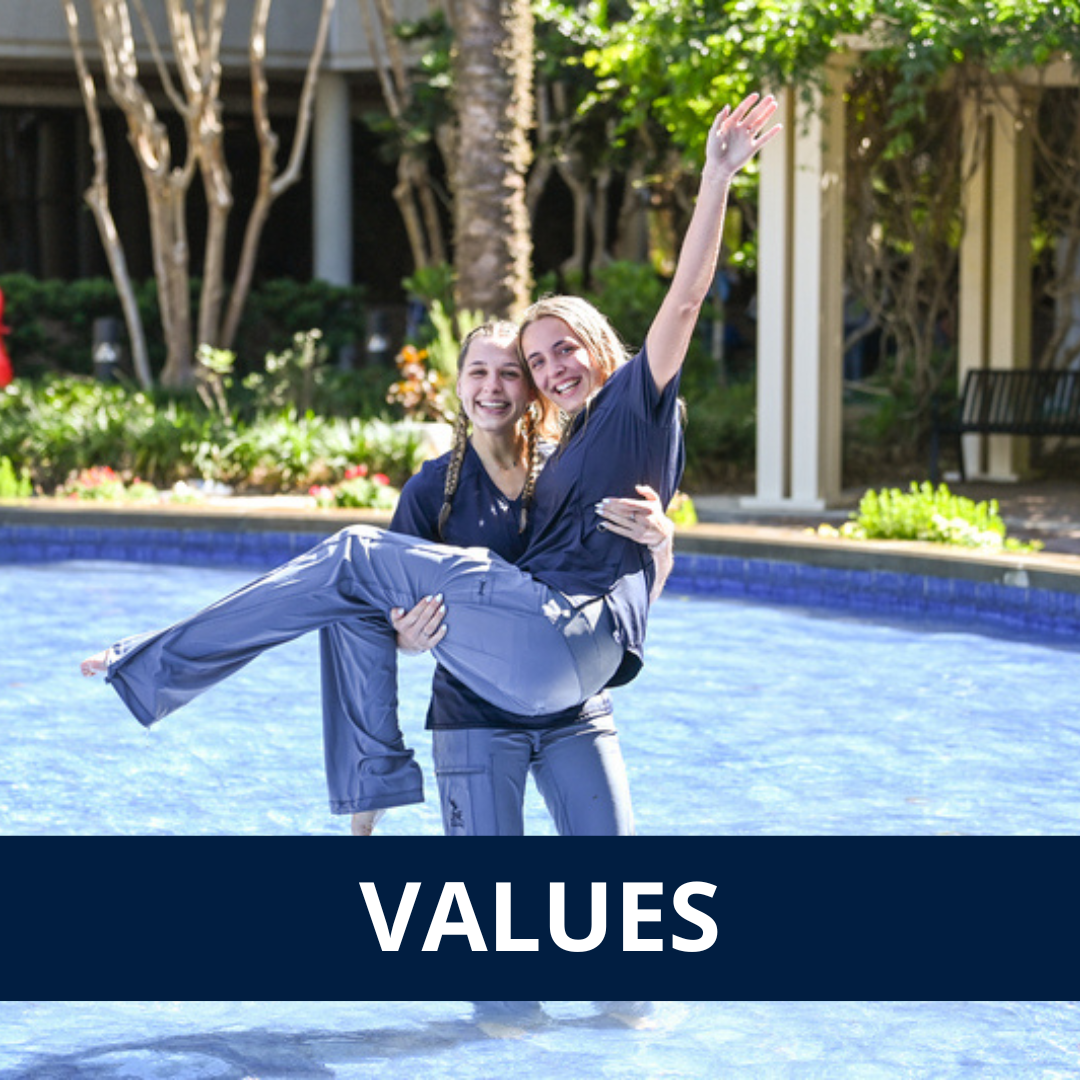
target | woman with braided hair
[
  {"x": 535, "y": 638},
  {"x": 478, "y": 494}
]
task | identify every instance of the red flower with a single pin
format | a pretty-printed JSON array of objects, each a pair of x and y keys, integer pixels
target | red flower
[
  {"x": 353, "y": 471},
  {"x": 382, "y": 479}
]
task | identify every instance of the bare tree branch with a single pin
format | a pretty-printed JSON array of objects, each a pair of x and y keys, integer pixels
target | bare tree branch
[
  {"x": 270, "y": 187},
  {"x": 191, "y": 76},
  {"x": 97, "y": 198}
]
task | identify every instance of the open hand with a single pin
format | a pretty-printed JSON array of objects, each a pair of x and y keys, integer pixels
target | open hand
[
  {"x": 736, "y": 136},
  {"x": 420, "y": 628}
]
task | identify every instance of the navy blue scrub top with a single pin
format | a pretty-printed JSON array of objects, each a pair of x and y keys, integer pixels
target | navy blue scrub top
[{"x": 629, "y": 434}]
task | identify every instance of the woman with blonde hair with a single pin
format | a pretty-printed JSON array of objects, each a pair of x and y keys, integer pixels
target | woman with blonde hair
[{"x": 533, "y": 638}]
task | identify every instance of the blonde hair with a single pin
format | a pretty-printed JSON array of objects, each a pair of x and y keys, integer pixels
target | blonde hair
[
  {"x": 533, "y": 423},
  {"x": 605, "y": 348}
]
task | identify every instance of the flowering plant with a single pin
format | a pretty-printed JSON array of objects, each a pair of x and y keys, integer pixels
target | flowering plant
[
  {"x": 422, "y": 390},
  {"x": 101, "y": 483},
  {"x": 358, "y": 491}
]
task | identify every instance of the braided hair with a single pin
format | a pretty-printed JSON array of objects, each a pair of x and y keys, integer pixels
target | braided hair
[
  {"x": 500, "y": 330},
  {"x": 530, "y": 427},
  {"x": 453, "y": 470}
]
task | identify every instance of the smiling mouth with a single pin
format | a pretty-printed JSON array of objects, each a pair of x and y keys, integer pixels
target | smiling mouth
[
  {"x": 493, "y": 406},
  {"x": 567, "y": 387}
]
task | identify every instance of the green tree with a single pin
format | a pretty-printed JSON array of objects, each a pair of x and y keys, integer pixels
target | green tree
[{"x": 913, "y": 63}]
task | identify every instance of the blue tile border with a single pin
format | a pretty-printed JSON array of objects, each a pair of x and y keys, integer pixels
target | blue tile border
[
  {"x": 886, "y": 592},
  {"x": 889, "y": 593},
  {"x": 186, "y": 547}
]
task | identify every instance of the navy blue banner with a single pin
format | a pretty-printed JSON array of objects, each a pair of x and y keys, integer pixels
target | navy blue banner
[{"x": 541, "y": 918}]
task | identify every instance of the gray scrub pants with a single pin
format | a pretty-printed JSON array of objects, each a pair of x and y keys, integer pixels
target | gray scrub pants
[
  {"x": 519, "y": 644},
  {"x": 578, "y": 769}
]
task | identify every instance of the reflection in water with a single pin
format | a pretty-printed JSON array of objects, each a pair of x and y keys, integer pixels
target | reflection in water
[
  {"x": 399, "y": 1040},
  {"x": 259, "y": 1053}
]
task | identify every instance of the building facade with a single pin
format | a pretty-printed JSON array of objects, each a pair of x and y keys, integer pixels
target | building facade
[{"x": 338, "y": 223}]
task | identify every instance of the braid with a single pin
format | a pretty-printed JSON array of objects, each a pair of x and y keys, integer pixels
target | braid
[
  {"x": 453, "y": 470},
  {"x": 535, "y": 461}
]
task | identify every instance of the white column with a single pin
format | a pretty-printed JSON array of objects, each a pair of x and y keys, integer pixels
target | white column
[
  {"x": 774, "y": 312},
  {"x": 995, "y": 264},
  {"x": 974, "y": 327},
  {"x": 332, "y": 181},
  {"x": 800, "y": 307},
  {"x": 1010, "y": 283},
  {"x": 817, "y": 343}
]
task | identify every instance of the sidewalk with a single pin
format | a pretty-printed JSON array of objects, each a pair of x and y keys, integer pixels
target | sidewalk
[
  {"x": 1044, "y": 510},
  {"x": 1048, "y": 511}
]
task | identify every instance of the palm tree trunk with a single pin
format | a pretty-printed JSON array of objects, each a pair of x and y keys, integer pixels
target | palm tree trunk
[{"x": 492, "y": 68}]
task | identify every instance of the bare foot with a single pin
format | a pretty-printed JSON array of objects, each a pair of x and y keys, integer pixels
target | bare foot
[
  {"x": 632, "y": 1014},
  {"x": 364, "y": 822},
  {"x": 496, "y": 1029},
  {"x": 94, "y": 665},
  {"x": 638, "y": 1023}
]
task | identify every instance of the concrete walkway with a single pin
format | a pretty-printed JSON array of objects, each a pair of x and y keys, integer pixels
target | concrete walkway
[{"x": 1047, "y": 510}]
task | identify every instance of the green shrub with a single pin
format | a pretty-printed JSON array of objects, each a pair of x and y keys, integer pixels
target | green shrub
[
  {"x": 721, "y": 434},
  {"x": 52, "y": 321},
  {"x": 58, "y": 426},
  {"x": 278, "y": 310},
  {"x": 12, "y": 485},
  {"x": 288, "y": 377},
  {"x": 932, "y": 514},
  {"x": 628, "y": 293},
  {"x": 682, "y": 510}
]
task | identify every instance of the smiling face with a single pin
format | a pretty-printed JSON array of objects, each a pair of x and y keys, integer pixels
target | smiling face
[
  {"x": 493, "y": 389},
  {"x": 559, "y": 363}
]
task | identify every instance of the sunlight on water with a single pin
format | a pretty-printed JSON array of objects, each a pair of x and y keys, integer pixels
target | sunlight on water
[
  {"x": 231, "y": 1040},
  {"x": 748, "y": 719}
]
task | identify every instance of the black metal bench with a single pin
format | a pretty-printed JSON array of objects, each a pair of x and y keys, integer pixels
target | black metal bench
[{"x": 1013, "y": 402}]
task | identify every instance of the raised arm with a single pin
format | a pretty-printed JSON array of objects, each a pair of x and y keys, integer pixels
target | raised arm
[{"x": 734, "y": 138}]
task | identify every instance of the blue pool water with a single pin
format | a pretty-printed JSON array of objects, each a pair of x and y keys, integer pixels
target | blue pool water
[
  {"x": 758, "y": 1040},
  {"x": 749, "y": 719}
]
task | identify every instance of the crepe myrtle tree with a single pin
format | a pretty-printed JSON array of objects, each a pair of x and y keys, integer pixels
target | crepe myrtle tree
[
  {"x": 186, "y": 62},
  {"x": 418, "y": 120}
]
